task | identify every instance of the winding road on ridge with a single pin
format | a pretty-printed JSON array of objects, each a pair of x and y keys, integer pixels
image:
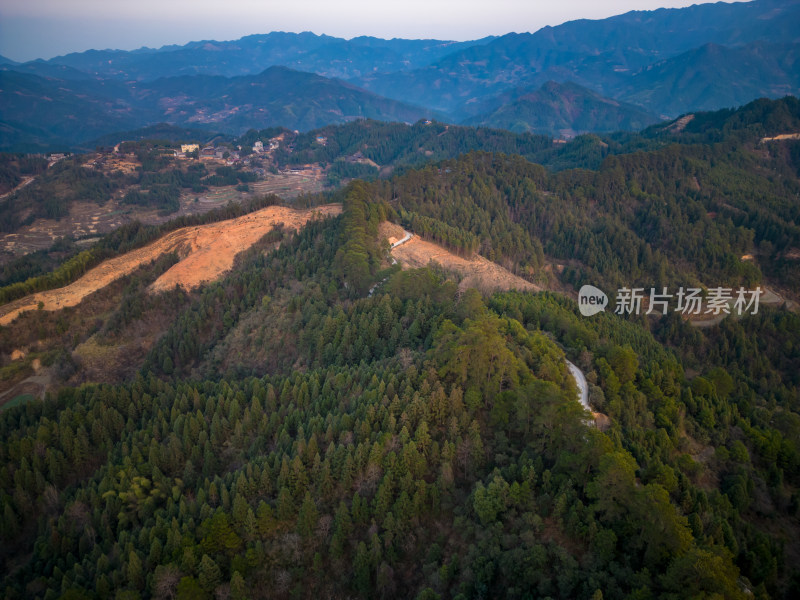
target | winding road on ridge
[
  {"x": 583, "y": 387},
  {"x": 577, "y": 374},
  {"x": 408, "y": 236}
]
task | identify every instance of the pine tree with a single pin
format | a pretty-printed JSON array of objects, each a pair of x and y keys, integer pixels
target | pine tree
[
  {"x": 189, "y": 589},
  {"x": 135, "y": 571},
  {"x": 166, "y": 366},
  {"x": 285, "y": 508},
  {"x": 307, "y": 518},
  {"x": 239, "y": 590},
  {"x": 208, "y": 574}
]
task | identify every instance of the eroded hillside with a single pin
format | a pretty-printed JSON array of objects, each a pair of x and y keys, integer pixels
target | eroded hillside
[
  {"x": 477, "y": 271},
  {"x": 206, "y": 252}
]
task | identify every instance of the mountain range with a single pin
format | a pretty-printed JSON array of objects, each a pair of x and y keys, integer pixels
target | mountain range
[
  {"x": 80, "y": 110},
  {"x": 564, "y": 109},
  {"x": 604, "y": 55},
  {"x": 321, "y": 54},
  {"x": 623, "y": 72}
]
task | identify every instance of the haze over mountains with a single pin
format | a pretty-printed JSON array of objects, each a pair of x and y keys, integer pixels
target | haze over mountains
[{"x": 635, "y": 68}]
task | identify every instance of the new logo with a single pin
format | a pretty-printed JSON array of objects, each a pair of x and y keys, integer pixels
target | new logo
[{"x": 591, "y": 300}]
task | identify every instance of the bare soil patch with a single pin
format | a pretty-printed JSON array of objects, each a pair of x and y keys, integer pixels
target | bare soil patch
[
  {"x": 476, "y": 272},
  {"x": 210, "y": 249},
  {"x": 680, "y": 124},
  {"x": 783, "y": 136},
  {"x": 207, "y": 251},
  {"x": 34, "y": 386},
  {"x": 391, "y": 231}
]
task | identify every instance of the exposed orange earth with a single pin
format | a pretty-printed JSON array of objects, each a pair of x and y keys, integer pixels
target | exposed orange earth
[
  {"x": 476, "y": 272},
  {"x": 783, "y": 136},
  {"x": 206, "y": 253}
]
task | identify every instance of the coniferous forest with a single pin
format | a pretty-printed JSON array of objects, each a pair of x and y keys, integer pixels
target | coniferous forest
[{"x": 322, "y": 424}]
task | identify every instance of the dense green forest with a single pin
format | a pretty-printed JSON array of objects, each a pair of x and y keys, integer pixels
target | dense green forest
[
  {"x": 417, "y": 442},
  {"x": 396, "y": 144},
  {"x": 683, "y": 214},
  {"x": 320, "y": 423}
]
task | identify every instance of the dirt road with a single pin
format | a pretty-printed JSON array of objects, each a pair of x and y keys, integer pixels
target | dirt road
[{"x": 25, "y": 181}]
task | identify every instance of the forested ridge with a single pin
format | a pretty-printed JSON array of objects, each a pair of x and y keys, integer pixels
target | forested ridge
[
  {"x": 320, "y": 423},
  {"x": 677, "y": 203},
  {"x": 402, "y": 146},
  {"x": 677, "y": 215},
  {"x": 405, "y": 145}
]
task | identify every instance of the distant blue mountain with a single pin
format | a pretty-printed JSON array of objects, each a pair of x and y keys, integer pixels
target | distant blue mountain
[
  {"x": 320, "y": 54},
  {"x": 629, "y": 68},
  {"x": 82, "y": 110},
  {"x": 601, "y": 55},
  {"x": 564, "y": 110}
]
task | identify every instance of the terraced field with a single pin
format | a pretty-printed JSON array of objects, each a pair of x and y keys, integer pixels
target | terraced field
[{"x": 87, "y": 219}]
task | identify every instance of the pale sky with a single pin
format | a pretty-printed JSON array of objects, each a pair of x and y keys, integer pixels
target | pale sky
[{"x": 45, "y": 28}]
